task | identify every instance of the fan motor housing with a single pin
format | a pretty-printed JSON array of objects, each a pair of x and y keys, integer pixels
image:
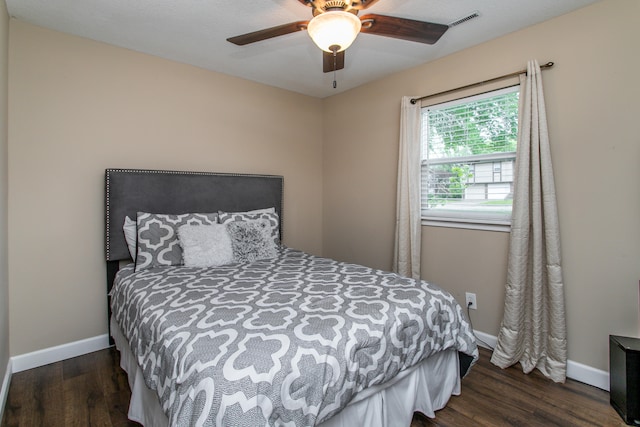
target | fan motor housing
[{"x": 321, "y": 6}]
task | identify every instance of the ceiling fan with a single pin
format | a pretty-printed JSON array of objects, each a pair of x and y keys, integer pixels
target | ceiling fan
[{"x": 335, "y": 25}]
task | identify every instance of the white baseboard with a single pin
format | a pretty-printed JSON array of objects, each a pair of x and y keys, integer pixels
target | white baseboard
[
  {"x": 588, "y": 375},
  {"x": 490, "y": 340},
  {"x": 58, "y": 353},
  {"x": 576, "y": 371},
  {"x": 4, "y": 392}
]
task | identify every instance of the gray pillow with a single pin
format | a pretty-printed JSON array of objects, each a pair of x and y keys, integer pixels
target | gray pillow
[
  {"x": 252, "y": 240},
  {"x": 158, "y": 244},
  {"x": 205, "y": 245},
  {"x": 250, "y": 216}
]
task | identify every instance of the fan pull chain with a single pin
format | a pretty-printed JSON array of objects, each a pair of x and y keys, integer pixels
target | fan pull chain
[
  {"x": 334, "y": 48},
  {"x": 335, "y": 84}
]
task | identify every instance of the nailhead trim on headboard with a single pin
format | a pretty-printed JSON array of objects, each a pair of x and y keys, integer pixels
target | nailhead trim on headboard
[{"x": 108, "y": 206}]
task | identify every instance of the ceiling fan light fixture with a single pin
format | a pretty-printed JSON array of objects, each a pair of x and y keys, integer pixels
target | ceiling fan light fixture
[{"x": 334, "y": 28}]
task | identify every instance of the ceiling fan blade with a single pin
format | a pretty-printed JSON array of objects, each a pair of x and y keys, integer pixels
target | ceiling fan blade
[
  {"x": 328, "y": 62},
  {"x": 268, "y": 33},
  {"x": 401, "y": 28},
  {"x": 320, "y": 5}
]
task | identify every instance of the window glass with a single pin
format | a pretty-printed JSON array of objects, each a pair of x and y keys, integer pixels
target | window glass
[{"x": 468, "y": 158}]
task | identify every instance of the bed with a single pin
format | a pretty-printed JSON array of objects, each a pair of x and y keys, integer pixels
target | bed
[{"x": 268, "y": 336}]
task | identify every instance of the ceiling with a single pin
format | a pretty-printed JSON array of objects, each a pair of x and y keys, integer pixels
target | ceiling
[{"x": 195, "y": 32}]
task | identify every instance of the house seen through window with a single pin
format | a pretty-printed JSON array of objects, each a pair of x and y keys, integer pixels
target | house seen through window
[{"x": 468, "y": 158}]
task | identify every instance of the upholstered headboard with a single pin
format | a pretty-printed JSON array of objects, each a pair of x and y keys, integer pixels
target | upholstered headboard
[{"x": 172, "y": 192}]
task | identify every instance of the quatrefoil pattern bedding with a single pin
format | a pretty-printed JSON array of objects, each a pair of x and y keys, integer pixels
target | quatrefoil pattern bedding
[
  {"x": 283, "y": 341},
  {"x": 158, "y": 243}
]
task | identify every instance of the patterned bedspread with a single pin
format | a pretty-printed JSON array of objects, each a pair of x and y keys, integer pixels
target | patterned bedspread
[{"x": 284, "y": 341}]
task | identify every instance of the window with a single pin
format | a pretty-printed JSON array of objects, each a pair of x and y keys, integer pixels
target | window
[{"x": 468, "y": 158}]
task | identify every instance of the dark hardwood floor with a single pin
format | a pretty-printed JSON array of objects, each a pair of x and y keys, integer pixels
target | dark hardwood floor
[
  {"x": 92, "y": 390},
  {"x": 89, "y": 390},
  {"x": 495, "y": 397}
]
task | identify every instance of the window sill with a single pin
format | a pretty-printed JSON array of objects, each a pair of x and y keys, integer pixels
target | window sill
[{"x": 504, "y": 228}]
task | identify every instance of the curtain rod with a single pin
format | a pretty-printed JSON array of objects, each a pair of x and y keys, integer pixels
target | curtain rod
[{"x": 495, "y": 79}]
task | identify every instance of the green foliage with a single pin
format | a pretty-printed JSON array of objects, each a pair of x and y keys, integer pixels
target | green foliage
[
  {"x": 480, "y": 127},
  {"x": 485, "y": 126},
  {"x": 449, "y": 184},
  {"x": 457, "y": 182}
]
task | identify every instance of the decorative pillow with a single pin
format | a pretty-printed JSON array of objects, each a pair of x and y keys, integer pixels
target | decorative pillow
[
  {"x": 249, "y": 216},
  {"x": 256, "y": 211},
  {"x": 252, "y": 240},
  {"x": 205, "y": 245},
  {"x": 158, "y": 243},
  {"x": 130, "y": 235}
]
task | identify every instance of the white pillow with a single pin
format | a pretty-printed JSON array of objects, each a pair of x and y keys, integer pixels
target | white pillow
[
  {"x": 253, "y": 212},
  {"x": 130, "y": 235},
  {"x": 205, "y": 245},
  {"x": 261, "y": 211}
]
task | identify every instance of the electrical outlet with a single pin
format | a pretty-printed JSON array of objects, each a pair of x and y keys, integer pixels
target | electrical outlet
[{"x": 470, "y": 298}]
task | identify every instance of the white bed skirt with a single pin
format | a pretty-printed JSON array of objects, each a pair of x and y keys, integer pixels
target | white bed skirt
[{"x": 424, "y": 388}]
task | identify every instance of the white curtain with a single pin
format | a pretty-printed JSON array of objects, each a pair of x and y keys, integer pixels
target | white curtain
[
  {"x": 533, "y": 329},
  {"x": 406, "y": 254}
]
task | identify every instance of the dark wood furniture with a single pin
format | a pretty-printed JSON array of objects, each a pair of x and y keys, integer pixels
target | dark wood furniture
[{"x": 624, "y": 377}]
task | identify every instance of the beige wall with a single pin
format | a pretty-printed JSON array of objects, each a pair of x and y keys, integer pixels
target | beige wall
[
  {"x": 78, "y": 107},
  {"x": 4, "y": 276},
  {"x": 592, "y": 107}
]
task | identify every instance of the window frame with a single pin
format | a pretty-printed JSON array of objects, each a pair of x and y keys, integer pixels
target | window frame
[{"x": 469, "y": 222}]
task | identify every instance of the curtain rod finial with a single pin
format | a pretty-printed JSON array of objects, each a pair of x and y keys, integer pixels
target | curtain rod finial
[{"x": 413, "y": 101}]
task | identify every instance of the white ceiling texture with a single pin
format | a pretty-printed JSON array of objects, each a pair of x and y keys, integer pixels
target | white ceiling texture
[{"x": 195, "y": 32}]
